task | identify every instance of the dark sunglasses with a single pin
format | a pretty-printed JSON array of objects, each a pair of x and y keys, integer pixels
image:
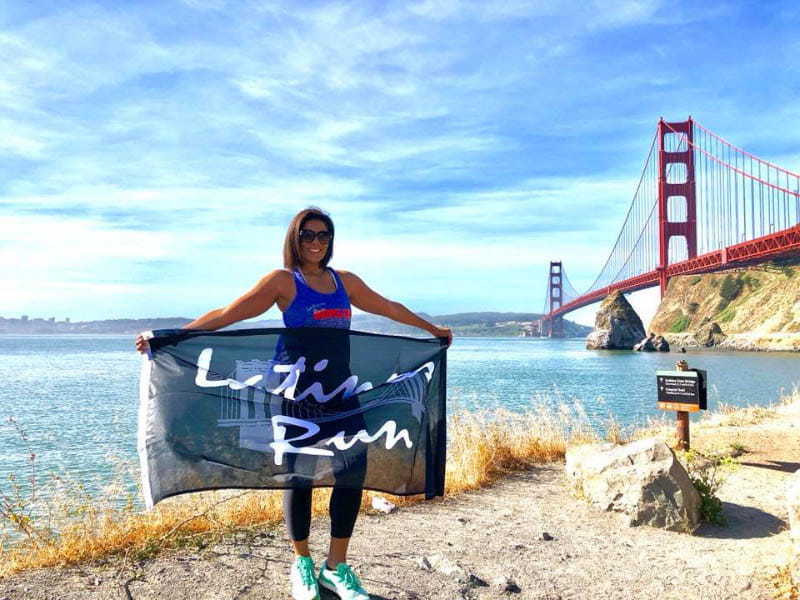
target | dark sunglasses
[{"x": 308, "y": 235}]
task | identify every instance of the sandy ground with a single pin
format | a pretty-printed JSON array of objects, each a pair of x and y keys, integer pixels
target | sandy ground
[{"x": 525, "y": 537}]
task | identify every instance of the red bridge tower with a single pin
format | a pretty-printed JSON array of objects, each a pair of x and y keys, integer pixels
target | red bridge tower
[
  {"x": 675, "y": 191},
  {"x": 556, "y": 300}
]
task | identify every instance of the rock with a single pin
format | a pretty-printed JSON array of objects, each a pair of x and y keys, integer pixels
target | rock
[
  {"x": 424, "y": 564},
  {"x": 643, "y": 481},
  {"x": 646, "y": 345},
  {"x": 448, "y": 567},
  {"x": 521, "y": 547},
  {"x": 709, "y": 334},
  {"x": 652, "y": 343},
  {"x": 382, "y": 505},
  {"x": 547, "y": 537},
  {"x": 793, "y": 506},
  {"x": 504, "y": 584},
  {"x": 661, "y": 344},
  {"x": 617, "y": 326}
]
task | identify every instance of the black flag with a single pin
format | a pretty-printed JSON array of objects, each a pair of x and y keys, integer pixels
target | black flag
[{"x": 287, "y": 408}]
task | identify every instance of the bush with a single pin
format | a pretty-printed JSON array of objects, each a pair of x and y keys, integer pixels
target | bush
[
  {"x": 680, "y": 325},
  {"x": 750, "y": 281},
  {"x": 707, "y": 473},
  {"x": 731, "y": 287},
  {"x": 693, "y": 306},
  {"x": 696, "y": 279}
]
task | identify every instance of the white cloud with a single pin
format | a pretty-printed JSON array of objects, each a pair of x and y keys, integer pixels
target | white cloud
[{"x": 422, "y": 127}]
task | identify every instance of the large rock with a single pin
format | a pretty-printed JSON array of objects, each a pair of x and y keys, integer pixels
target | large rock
[
  {"x": 793, "y": 504},
  {"x": 617, "y": 326},
  {"x": 709, "y": 334},
  {"x": 642, "y": 480},
  {"x": 652, "y": 343}
]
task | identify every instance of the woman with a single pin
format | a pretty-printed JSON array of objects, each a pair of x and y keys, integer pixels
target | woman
[{"x": 311, "y": 294}]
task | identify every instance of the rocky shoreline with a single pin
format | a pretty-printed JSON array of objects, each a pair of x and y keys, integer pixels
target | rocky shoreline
[{"x": 743, "y": 342}]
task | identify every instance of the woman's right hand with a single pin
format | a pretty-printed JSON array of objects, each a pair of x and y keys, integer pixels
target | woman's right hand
[
  {"x": 141, "y": 344},
  {"x": 443, "y": 332}
]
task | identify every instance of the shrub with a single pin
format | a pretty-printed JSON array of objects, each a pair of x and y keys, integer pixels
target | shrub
[
  {"x": 693, "y": 306},
  {"x": 707, "y": 473},
  {"x": 695, "y": 280},
  {"x": 680, "y": 324},
  {"x": 731, "y": 287},
  {"x": 750, "y": 281}
]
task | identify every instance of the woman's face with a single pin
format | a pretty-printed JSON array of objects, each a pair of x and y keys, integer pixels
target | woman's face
[{"x": 314, "y": 251}]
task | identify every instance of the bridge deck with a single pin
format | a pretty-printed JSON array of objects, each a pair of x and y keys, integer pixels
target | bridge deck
[{"x": 774, "y": 245}]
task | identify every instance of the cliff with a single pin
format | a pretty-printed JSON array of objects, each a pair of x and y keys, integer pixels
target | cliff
[{"x": 757, "y": 308}]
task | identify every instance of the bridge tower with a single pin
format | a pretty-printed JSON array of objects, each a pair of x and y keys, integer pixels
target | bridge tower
[
  {"x": 685, "y": 190},
  {"x": 555, "y": 285}
]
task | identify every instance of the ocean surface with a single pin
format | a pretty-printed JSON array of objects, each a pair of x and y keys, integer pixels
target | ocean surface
[{"x": 76, "y": 397}]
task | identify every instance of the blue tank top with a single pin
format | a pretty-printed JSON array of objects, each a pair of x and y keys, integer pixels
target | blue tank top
[{"x": 311, "y": 308}]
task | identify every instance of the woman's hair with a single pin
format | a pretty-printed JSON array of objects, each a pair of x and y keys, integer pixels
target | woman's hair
[{"x": 291, "y": 246}]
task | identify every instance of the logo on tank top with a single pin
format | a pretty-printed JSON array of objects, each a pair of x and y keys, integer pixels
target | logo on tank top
[{"x": 331, "y": 313}]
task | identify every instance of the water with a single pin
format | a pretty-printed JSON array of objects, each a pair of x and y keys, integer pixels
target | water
[{"x": 76, "y": 397}]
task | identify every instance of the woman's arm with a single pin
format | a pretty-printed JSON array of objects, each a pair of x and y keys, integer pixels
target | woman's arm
[
  {"x": 251, "y": 304},
  {"x": 366, "y": 299}
]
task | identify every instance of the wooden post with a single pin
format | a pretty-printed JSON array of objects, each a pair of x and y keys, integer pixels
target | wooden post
[{"x": 682, "y": 430}]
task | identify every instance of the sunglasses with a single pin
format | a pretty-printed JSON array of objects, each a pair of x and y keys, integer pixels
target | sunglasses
[{"x": 308, "y": 235}]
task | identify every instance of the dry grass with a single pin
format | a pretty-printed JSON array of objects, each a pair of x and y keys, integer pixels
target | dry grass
[
  {"x": 482, "y": 448},
  {"x": 783, "y": 588}
]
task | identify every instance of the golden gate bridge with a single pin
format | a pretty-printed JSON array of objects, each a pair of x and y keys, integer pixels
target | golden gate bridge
[{"x": 701, "y": 205}]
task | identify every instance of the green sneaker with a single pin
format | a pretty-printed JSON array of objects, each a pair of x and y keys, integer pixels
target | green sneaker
[
  {"x": 304, "y": 584},
  {"x": 342, "y": 581}
]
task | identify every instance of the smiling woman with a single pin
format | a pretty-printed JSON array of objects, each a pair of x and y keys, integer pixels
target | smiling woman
[{"x": 311, "y": 294}]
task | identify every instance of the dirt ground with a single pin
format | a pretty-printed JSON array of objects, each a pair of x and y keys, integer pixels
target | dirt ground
[{"x": 525, "y": 537}]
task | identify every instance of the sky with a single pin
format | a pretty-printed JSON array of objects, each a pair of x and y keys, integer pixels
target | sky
[{"x": 153, "y": 153}]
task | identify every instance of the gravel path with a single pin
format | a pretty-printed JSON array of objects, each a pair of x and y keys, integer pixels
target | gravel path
[{"x": 525, "y": 537}]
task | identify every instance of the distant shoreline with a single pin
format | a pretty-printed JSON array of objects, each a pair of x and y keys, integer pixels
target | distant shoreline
[{"x": 477, "y": 324}]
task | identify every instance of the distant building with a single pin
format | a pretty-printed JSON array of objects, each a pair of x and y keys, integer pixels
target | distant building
[{"x": 530, "y": 329}]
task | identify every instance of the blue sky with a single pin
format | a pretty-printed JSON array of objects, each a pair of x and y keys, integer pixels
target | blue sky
[{"x": 152, "y": 153}]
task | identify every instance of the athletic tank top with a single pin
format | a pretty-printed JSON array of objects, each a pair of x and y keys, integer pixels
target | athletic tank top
[{"x": 311, "y": 308}]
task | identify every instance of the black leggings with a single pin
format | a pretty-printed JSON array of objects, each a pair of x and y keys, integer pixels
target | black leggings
[
  {"x": 347, "y": 469},
  {"x": 343, "y": 508}
]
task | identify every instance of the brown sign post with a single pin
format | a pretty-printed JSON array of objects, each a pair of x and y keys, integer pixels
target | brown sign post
[{"x": 682, "y": 390}]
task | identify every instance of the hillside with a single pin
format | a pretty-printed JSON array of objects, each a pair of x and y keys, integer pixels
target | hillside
[
  {"x": 480, "y": 324},
  {"x": 476, "y": 324},
  {"x": 757, "y": 308}
]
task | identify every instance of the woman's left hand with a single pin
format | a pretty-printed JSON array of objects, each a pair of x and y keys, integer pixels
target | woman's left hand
[{"x": 443, "y": 332}]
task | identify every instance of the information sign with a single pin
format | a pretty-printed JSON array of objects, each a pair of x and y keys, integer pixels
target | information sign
[{"x": 682, "y": 390}]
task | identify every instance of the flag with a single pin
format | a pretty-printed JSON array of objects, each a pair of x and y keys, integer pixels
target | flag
[{"x": 291, "y": 408}]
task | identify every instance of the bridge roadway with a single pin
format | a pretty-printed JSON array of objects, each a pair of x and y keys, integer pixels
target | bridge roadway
[{"x": 774, "y": 245}]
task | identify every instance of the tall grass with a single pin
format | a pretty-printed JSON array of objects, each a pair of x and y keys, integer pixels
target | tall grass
[{"x": 68, "y": 525}]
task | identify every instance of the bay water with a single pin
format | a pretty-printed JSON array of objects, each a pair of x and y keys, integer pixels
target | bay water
[{"x": 76, "y": 397}]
